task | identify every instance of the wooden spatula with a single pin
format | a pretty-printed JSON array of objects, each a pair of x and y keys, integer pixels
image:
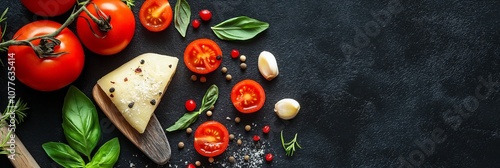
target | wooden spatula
[{"x": 153, "y": 142}]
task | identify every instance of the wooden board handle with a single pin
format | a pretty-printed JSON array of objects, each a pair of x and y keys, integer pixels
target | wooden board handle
[{"x": 21, "y": 157}]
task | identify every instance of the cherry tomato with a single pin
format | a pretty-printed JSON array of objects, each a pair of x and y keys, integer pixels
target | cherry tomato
[
  {"x": 48, "y": 73},
  {"x": 235, "y": 53},
  {"x": 156, "y": 15},
  {"x": 266, "y": 129},
  {"x": 190, "y": 105},
  {"x": 195, "y": 23},
  {"x": 115, "y": 39},
  {"x": 205, "y": 15},
  {"x": 248, "y": 96},
  {"x": 269, "y": 157},
  {"x": 202, "y": 56},
  {"x": 48, "y": 8},
  {"x": 211, "y": 139}
]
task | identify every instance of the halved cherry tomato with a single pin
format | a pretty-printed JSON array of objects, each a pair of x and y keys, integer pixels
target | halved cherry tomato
[
  {"x": 47, "y": 73},
  {"x": 203, "y": 56},
  {"x": 156, "y": 15},
  {"x": 48, "y": 8},
  {"x": 211, "y": 139},
  {"x": 122, "y": 27},
  {"x": 248, "y": 96}
]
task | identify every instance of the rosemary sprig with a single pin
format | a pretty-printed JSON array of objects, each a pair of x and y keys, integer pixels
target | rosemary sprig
[
  {"x": 3, "y": 17},
  {"x": 289, "y": 146},
  {"x": 3, "y": 144},
  {"x": 18, "y": 108},
  {"x": 129, "y": 3}
]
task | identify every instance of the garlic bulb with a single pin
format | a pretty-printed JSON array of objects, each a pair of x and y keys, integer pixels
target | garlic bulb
[
  {"x": 287, "y": 108},
  {"x": 267, "y": 65}
]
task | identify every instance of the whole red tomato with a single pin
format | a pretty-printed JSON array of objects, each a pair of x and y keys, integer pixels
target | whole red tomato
[
  {"x": 48, "y": 73},
  {"x": 48, "y": 7},
  {"x": 114, "y": 40}
]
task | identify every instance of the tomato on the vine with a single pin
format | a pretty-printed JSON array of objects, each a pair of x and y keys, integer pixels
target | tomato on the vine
[
  {"x": 156, "y": 15},
  {"x": 211, "y": 139},
  {"x": 119, "y": 32},
  {"x": 48, "y": 8},
  {"x": 248, "y": 96},
  {"x": 203, "y": 56},
  {"x": 47, "y": 73}
]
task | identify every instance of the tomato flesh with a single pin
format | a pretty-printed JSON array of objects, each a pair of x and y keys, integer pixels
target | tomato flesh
[
  {"x": 203, "y": 56},
  {"x": 248, "y": 96},
  {"x": 48, "y": 8},
  {"x": 49, "y": 73},
  {"x": 211, "y": 139},
  {"x": 156, "y": 15}
]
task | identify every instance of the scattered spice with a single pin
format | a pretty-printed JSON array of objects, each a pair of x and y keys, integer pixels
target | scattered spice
[
  {"x": 231, "y": 136},
  {"x": 243, "y": 58},
  {"x": 266, "y": 129},
  {"x": 209, "y": 113},
  {"x": 111, "y": 95},
  {"x": 269, "y": 157},
  {"x": 239, "y": 142},
  {"x": 229, "y": 77},
  {"x": 203, "y": 79},
  {"x": 189, "y": 130},
  {"x": 130, "y": 105},
  {"x": 194, "y": 78},
  {"x": 197, "y": 163},
  {"x": 212, "y": 107},
  {"x": 211, "y": 159},
  {"x": 243, "y": 66},
  {"x": 248, "y": 128},
  {"x": 138, "y": 70},
  {"x": 180, "y": 145},
  {"x": 237, "y": 120},
  {"x": 159, "y": 93},
  {"x": 218, "y": 57},
  {"x": 112, "y": 82},
  {"x": 224, "y": 70},
  {"x": 126, "y": 79},
  {"x": 246, "y": 157},
  {"x": 256, "y": 138},
  {"x": 153, "y": 102},
  {"x": 231, "y": 159},
  {"x": 170, "y": 66},
  {"x": 142, "y": 61},
  {"x": 112, "y": 89}
]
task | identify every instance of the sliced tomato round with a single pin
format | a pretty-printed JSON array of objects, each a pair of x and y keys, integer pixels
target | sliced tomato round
[
  {"x": 248, "y": 96},
  {"x": 203, "y": 56},
  {"x": 156, "y": 15},
  {"x": 211, "y": 139}
]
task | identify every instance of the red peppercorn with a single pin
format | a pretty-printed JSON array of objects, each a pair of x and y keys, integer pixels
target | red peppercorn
[
  {"x": 205, "y": 15},
  {"x": 195, "y": 23},
  {"x": 191, "y": 166},
  {"x": 269, "y": 157},
  {"x": 190, "y": 105},
  {"x": 266, "y": 129},
  {"x": 235, "y": 53},
  {"x": 256, "y": 138}
]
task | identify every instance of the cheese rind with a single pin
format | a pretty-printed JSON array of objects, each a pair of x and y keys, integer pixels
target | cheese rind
[{"x": 136, "y": 87}]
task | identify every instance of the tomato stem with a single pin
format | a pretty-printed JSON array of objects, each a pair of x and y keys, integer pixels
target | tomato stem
[
  {"x": 49, "y": 39},
  {"x": 102, "y": 20}
]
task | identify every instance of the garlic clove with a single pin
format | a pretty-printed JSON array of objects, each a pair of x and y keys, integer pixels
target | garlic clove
[
  {"x": 287, "y": 108},
  {"x": 268, "y": 66}
]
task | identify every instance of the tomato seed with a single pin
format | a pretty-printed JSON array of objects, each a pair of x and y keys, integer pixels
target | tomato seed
[
  {"x": 256, "y": 138},
  {"x": 266, "y": 129},
  {"x": 269, "y": 157},
  {"x": 235, "y": 53}
]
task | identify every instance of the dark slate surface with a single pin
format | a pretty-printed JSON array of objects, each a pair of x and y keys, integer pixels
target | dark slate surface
[{"x": 381, "y": 83}]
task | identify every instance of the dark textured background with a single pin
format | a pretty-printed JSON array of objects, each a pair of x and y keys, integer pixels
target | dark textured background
[{"x": 375, "y": 91}]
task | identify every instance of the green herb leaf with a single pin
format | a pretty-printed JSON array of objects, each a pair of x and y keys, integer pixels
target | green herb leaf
[
  {"x": 107, "y": 155},
  {"x": 129, "y": 3},
  {"x": 182, "y": 17},
  {"x": 63, "y": 154},
  {"x": 289, "y": 146},
  {"x": 187, "y": 119},
  {"x": 239, "y": 28},
  {"x": 80, "y": 122}
]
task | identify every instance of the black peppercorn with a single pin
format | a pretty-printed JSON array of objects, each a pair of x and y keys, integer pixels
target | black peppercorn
[{"x": 130, "y": 105}]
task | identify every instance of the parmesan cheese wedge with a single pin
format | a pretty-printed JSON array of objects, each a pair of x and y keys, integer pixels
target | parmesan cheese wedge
[{"x": 136, "y": 87}]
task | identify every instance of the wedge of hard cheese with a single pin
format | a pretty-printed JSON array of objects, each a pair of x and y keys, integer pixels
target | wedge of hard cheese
[{"x": 136, "y": 87}]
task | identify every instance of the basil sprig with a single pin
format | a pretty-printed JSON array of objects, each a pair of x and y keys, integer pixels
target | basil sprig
[
  {"x": 82, "y": 131},
  {"x": 239, "y": 28},
  {"x": 187, "y": 119},
  {"x": 182, "y": 13}
]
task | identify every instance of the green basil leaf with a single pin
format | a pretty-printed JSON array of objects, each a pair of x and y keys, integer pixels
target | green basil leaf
[
  {"x": 80, "y": 122},
  {"x": 239, "y": 28},
  {"x": 63, "y": 154},
  {"x": 107, "y": 155},
  {"x": 209, "y": 98},
  {"x": 182, "y": 17},
  {"x": 185, "y": 121}
]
